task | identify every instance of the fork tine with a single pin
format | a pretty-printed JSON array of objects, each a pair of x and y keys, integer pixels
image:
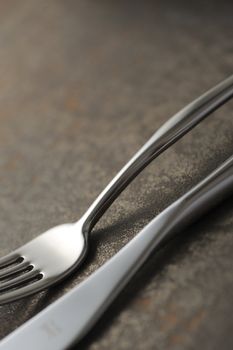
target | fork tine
[
  {"x": 17, "y": 281},
  {"x": 16, "y": 294},
  {"x": 9, "y": 271},
  {"x": 8, "y": 259}
]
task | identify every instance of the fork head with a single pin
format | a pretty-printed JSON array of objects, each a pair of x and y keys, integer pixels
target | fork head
[{"x": 41, "y": 262}]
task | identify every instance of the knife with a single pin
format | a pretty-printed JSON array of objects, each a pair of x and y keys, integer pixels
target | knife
[{"x": 69, "y": 318}]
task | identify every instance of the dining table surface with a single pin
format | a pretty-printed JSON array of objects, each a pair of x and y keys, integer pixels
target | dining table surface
[{"x": 83, "y": 85}]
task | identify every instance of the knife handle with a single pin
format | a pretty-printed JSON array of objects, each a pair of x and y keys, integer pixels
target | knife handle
[{"x": 69, "y": 318}]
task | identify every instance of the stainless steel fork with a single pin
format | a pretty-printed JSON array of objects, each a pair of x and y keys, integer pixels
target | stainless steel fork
[{"x": 56, "y": 253}]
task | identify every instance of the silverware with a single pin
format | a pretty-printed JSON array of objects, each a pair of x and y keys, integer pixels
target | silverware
[
  {"x": 56, "y": 253},
  {"x": 69, "y": 318}
]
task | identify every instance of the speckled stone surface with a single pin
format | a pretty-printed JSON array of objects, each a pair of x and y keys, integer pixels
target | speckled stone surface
[{"x": 83, "y": 85}]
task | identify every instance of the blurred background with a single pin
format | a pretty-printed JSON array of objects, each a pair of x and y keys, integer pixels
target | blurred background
[{"x": 83, "y": 84}]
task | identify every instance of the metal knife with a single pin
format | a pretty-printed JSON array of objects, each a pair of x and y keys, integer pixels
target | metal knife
[{"x": 69, "y": 318}]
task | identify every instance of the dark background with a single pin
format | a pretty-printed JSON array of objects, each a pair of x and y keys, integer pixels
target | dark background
[{"x": 83, "y": 84}]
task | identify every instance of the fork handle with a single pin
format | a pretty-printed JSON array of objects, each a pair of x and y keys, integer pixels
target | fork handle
[
  {"x": 164, "y": 137},
  {"x": 69, "y": 318}
]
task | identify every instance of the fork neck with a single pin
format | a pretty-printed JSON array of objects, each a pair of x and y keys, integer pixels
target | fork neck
[{"x": 169, "y": 133}]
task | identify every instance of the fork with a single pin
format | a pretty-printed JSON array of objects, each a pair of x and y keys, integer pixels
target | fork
[
  {"x": 54, "y": 254},
  {"x": 67, "y": 320}
]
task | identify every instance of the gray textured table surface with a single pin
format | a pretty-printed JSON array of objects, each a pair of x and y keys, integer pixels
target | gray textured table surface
[{"x": 83, "y": 85}]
